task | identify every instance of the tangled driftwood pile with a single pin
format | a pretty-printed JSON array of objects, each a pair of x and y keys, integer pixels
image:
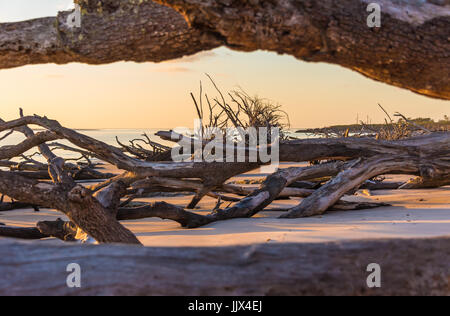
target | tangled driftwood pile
[{"x": 97, "y": 210}]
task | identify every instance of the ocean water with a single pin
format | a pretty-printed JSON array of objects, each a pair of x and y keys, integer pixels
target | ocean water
[{"x": 105, "y": 135}]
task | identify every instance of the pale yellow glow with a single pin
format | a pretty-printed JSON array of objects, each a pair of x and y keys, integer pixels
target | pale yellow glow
[{"x": 130, "y": 95}]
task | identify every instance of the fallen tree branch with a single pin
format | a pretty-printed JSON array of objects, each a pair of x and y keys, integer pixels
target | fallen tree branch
[
  {"x": 8, "y": 152},
  {"x": 12, "y": 206},
  {"x": 424, "y": 183},
  {"x": 30, "y": 233},
  {"x": 342, "y": 205},
  {"x": 360, "y": 171},
  {"x": 66, "y": 231},
  {"x": 247, "y": 207}
]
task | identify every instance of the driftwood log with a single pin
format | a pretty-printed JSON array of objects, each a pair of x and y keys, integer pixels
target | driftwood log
[
  {"x": 410, "y": 50},
  {"x": 287, "y": 269}
]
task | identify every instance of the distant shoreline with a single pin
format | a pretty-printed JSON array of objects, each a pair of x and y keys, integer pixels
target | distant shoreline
[{"x": 356, "y": 128}]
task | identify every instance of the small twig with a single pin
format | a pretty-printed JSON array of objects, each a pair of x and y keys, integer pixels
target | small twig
[
  {"x": 397, "y": 114},
  {"x": 390, "y": 118},
  {"x": 6, "y": 135}
]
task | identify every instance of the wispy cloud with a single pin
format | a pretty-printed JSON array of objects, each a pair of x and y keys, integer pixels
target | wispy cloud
[
  {"x": 193, "y": 58},
  {"x": 173, "y": 69}
]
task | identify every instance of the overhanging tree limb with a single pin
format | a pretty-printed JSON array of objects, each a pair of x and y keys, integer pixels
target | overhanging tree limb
[
  {"x": 120, "y": 30},
  {"x": 410, "y": 50}
]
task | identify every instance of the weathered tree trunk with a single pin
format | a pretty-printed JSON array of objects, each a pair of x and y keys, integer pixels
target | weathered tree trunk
[
  {"x": 410, "y": 49},
  {"x": 284, "y": 269}
]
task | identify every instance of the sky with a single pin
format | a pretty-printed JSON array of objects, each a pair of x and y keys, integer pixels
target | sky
[{"x": 149, "y": 95}]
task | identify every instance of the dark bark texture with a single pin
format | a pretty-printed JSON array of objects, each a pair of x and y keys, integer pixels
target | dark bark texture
[
  {"x": 117, "y": 30},
  {"x": 409, "y": 50},
  {"x": 284, "y": 269}
]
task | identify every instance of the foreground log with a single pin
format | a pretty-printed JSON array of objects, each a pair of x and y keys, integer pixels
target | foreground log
[
  {"x": 408, "y": 50},
  {"x": 288, "y": 269}
]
